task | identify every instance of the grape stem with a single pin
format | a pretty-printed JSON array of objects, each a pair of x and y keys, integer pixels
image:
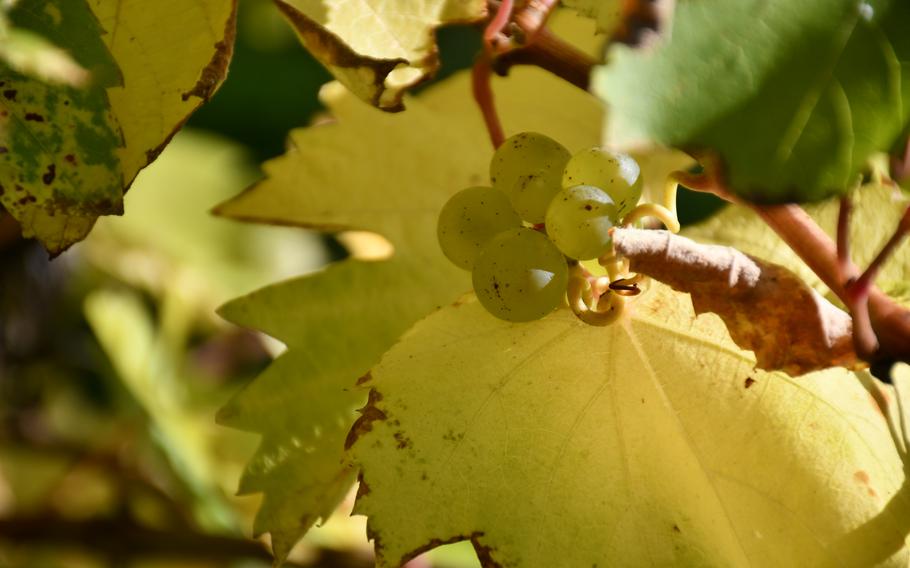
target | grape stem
[
  {"x": 483, "y": 95},
  {"x": 482, "y": 71},
  {"x": 881, "y": 327},
  {"x": 519, "y": 37},
  {"x": 491, "y": 34},
  {"x": 551, "y": 54}
]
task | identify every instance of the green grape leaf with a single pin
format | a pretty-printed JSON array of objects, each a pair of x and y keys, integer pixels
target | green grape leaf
[
  {"x": 792, "y": 97},
  {"x": 67, "y": 155},
  {"x": 58, "y": 163},
  {"x": 653, "y": 441},
  {"x": 377, "y": 49},
  {"x": 389, "y": 174},
  {"x": 876, "y": 212}
]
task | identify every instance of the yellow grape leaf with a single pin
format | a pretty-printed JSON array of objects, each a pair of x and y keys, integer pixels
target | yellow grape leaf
[
  {"x": 173, "y": 54},
  {"x": 651, "y": 442},
  {"x": 877, "y": 209},
  {"x": 379, "y": 172},
  {"x": 67, "y": 155},
  {"x": 377, "y": 48}
]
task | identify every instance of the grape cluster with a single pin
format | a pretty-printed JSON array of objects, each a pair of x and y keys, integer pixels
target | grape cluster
[{"x": 545, "y": 208}]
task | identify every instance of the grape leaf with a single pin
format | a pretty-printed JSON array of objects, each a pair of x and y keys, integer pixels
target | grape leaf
[
  {"x": 877, "y": 209},
  {"x": 68, "y": 155},
  {"x": 653, "y": 442},
  {"x": 379, "y": 172},
  {"x": 58, "y": 164},
  {"x": 174, "y": 55},
  {"x": 377, "y": 49},
  {"x": 793, "y": 97}
]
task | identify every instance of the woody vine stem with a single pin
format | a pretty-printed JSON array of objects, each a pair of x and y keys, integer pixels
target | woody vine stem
[{"x": 881, "y": 327}]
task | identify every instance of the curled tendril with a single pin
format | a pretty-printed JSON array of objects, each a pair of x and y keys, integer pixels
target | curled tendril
[
  {"x": 666, "y": 212},
  {"x": 601, "y": 301},
  {"x": 593, "y": 303}
]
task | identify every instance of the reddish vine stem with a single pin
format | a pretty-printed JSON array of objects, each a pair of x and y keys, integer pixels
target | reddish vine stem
[
  {"x": 497, "y": 23},
  {"x": 482, "y": 73},
  {"x": 533, "y": 17},
  {"x": 483, "y": 95},
  {"x": 881, "y": 326},
  {"x": 551, "y": 54},
  {"x": 862, "y": 284}
]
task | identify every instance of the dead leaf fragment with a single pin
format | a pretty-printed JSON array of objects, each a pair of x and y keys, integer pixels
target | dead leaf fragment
[{"x": 766, "y": 308}]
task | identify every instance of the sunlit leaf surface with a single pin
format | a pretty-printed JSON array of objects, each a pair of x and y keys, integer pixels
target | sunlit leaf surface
[
  {"x": 651, "y": 442},
  {"x": 386, "y": 173},
  {"x": 67, "y": 154},
  {"x": 377, "y": 48}
]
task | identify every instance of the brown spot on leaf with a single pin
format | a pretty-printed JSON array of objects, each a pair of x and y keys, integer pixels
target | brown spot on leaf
[
  {"x": 749, "y": 382},
  {"x": 34, "y": 117},
  {"x": 402, "y": 441},
  {"x": 451, "y": 436},
  {"x": 862, "y": 477},
  {"x": 10, "y": 94},
  {"x": 4, "y": 150},
  {"x": 71, "y": 159},
  {"x": 229, "y": 34},
  {"x": 365, "y": 378},
  {"x": 676, "y": 528},
  {"x": 368, "y": 414},
  {"x": 213, "y": 73},
  {"x": 49, "y": 175}
]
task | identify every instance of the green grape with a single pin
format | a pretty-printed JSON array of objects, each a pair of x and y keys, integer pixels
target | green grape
[
  {"x": 520, "y": 276},
  {"x": 579, "y": 221},
  {"x": 528, "y": 168},
  {"x": 469, "y": 219},
  {"x": 616, "y": 173}
]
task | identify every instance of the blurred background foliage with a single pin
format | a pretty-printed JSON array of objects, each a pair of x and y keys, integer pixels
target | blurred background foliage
[{"x": 113, "y": 362}]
